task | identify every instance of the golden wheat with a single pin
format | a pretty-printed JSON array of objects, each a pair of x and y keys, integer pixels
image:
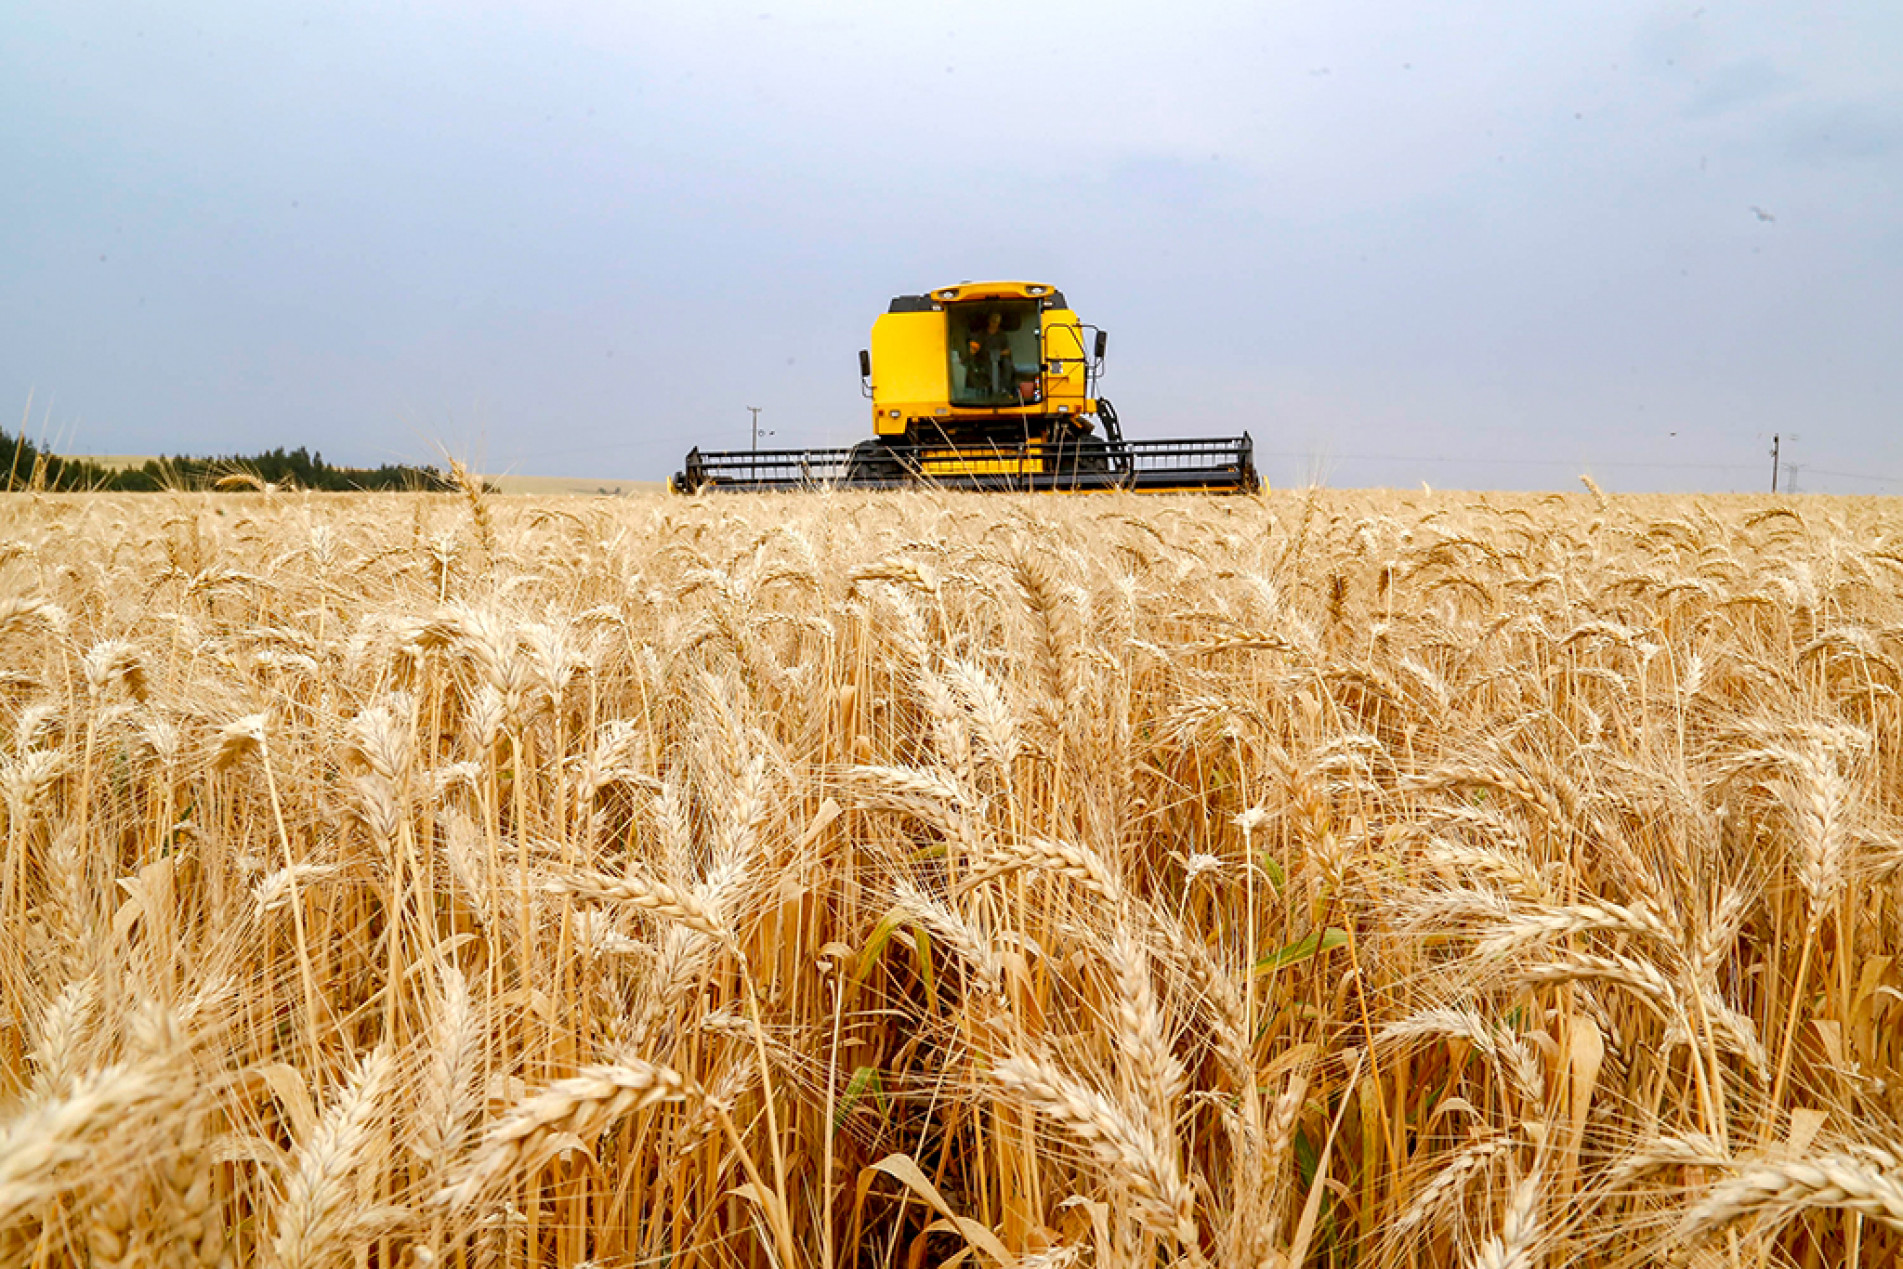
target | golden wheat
[{"x": 877, "y": 880}]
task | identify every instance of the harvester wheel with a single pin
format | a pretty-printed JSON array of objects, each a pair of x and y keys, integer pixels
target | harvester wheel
[
  {"x": 1092, "y": 456},
  {"x": 1083, "y": 461},
  {"x": 871, "y": 463}
]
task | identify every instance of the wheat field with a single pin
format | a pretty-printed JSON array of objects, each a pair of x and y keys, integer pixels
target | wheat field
[{"x": 912, "y": 879}]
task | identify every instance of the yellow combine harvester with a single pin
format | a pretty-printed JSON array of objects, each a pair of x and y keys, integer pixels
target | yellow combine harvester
[{"x": 984, "y": 385}]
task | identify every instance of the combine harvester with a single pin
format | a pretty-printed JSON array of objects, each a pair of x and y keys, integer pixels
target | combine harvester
[{"x": 986, "y": 386}]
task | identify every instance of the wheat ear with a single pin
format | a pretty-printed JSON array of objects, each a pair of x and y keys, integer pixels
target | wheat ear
[
  {"x": 314, "y": 1215},
  {"x": 1165, "y": 1204},
  {"x": 36, "y": 1145},
  {"x": 1783, "y": 1189},
  {"x": 642, "y": 892},
  {"x": 1150, "y": 1068},
  {"x": 448, "y": 1099},
  {"x": 580, "y": 1106},
  {"x": 1515, "y": 1246},
  {"x": 1065, "y": 859}
]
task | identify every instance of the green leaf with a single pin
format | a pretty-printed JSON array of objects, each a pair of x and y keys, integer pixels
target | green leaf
[
  {"x": 1277, "y": 876},
  {"x": 922, "y": 953},
  {"x": 864, "y": 1079},
  {"x": 1306, "y": 1158},
  {"x": 875, "y": 943},
  {"x": 882, "y": 934},
  {"x": 1302, "y": 949}
]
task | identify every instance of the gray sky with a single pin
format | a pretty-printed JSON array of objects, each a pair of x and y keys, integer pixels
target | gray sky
[{"x": 1476, "y": 244}]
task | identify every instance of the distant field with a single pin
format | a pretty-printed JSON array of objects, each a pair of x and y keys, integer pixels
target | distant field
[
  {"x": 540, "y": 486},
  {"x": 863, "y": 881},
  {"x": 113, "y": 462},
  {"x": 558, "y": 486}
]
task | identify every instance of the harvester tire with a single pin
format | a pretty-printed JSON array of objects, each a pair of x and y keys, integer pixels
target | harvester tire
[
  {"x": 1092, "y": 456},
  {"x": 1084, "y": 461},
  {"x": 871, "y": 463}
]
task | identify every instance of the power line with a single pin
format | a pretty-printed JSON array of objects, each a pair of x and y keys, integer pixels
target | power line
[
  {"x": 1503, "y": 462},
  {"x": 1807, "y": 469}
]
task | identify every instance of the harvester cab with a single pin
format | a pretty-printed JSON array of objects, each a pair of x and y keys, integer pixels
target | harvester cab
[{"x": 988, "y": 386}]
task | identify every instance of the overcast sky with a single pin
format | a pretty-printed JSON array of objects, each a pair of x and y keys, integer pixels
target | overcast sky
[{"x": 1473, "y": 244}]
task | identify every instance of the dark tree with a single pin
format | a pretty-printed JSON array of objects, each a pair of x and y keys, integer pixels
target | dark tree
[{"x": 27, "y": 466}]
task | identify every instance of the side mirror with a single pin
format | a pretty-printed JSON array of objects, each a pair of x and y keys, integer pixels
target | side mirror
[
  {"x": 865, "y": 364},
  {"x": 1103, "y": 342}
]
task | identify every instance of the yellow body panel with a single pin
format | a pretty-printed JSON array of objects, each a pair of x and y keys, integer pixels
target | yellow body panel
[
  {"x": 1065, "y": 360},
  {"x": 908, "y": 369},
  {"x": 979, "y": 462},
  {"x": 993, "y": 291}
]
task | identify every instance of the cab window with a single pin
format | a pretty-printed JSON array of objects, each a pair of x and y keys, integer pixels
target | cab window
[{"x": 994, "y": 353}]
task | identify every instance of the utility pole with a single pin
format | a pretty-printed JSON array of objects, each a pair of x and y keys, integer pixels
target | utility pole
[
  {"x": 1774, "y": 444},
  {"x": 757, "y": 433}
]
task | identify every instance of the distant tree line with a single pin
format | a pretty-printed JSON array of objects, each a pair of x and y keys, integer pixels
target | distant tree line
[{"x": 27, "y": 466}]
